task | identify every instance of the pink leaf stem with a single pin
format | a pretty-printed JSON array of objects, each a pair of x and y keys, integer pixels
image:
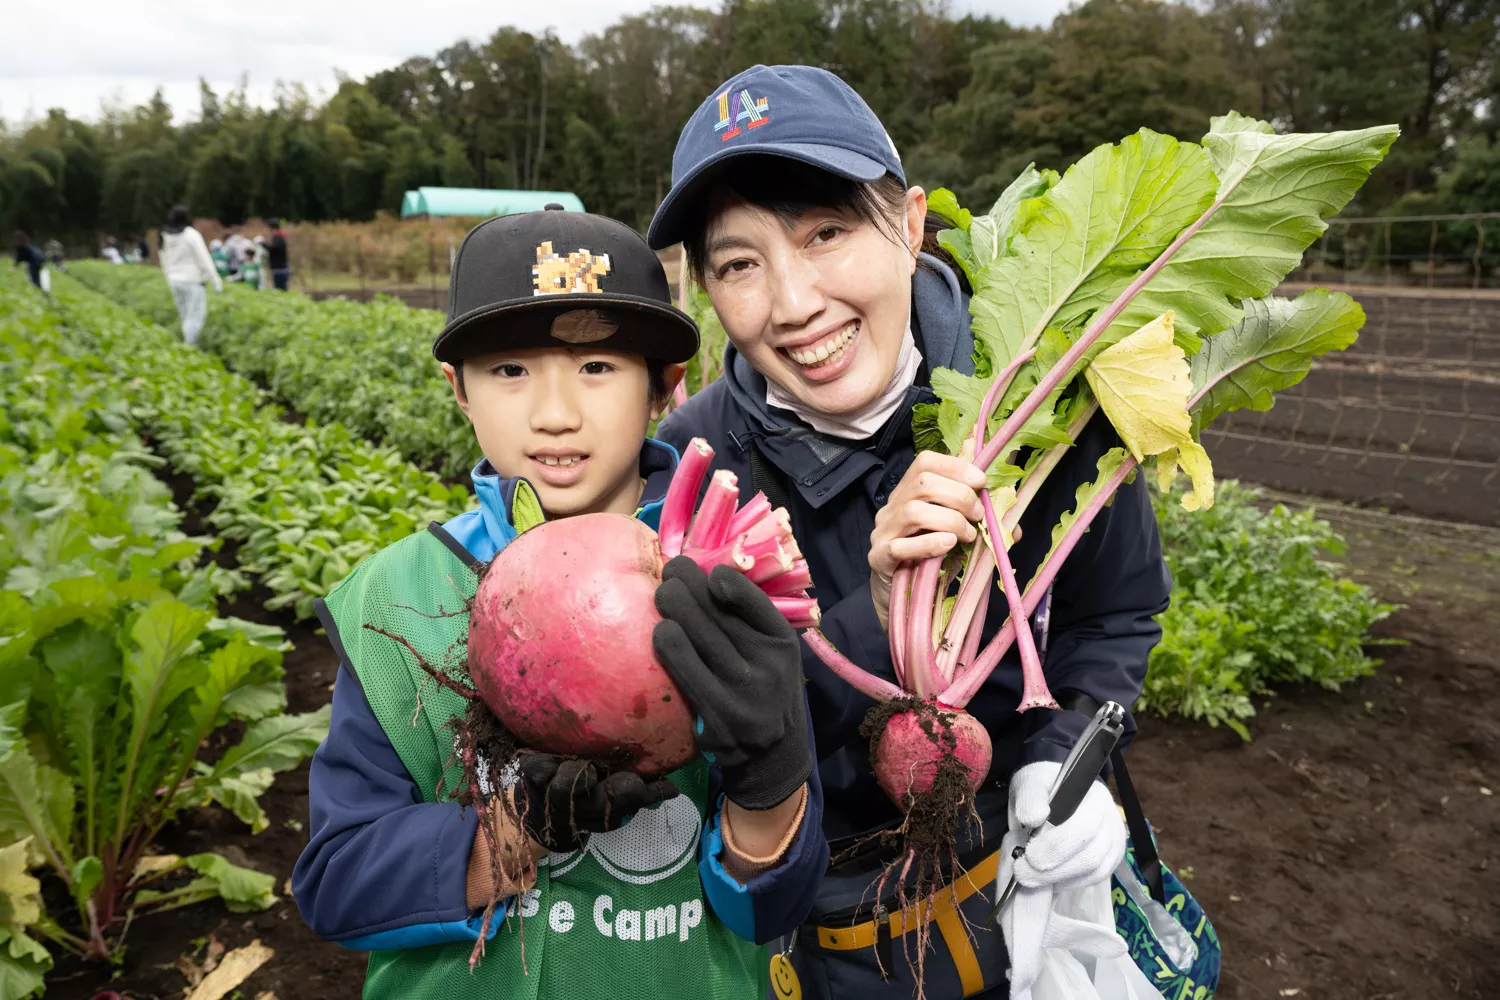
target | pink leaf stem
[
  {"x": 971, "y": 593},
  {"x": 846, "y": 670},
  {"x": 769, "y": 566},
  {"x": 1034, "y": 693},
  {"x": 897, "y": 626},
  {"x": 992, "y": 397},
  {"x": 682, "y": 494},
  {"x": 746, "y": 517},
  {"x": 801, "y": 612},
  {"x": 976, "y": 630},
  {"x": 792, "y": 582},
  {"x": 731, "y": 554},
  {"x": 969, "y": 682},
  {"x": 921, "y": 673},
  {"x": 710, "y": 527}
]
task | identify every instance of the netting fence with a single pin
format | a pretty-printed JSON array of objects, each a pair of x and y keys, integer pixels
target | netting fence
[{"x": 1407, "y": 419}]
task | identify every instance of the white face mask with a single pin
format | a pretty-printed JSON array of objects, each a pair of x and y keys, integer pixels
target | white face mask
[{"x": 859, "y": 425}]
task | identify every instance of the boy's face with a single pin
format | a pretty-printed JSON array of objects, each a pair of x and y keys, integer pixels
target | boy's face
[{"x": 570, "y": 421}]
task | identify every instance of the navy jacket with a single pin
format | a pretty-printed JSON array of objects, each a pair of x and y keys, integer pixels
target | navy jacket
[
  {"x": 383, "y": 869},
  {"x": 1103, "y": 601}
]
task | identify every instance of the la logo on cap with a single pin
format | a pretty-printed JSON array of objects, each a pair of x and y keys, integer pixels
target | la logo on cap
[
  {"x": 578, "y": 272},
  {"x": 750, "y": 111}
]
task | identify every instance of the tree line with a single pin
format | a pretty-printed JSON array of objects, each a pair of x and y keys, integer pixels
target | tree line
[{"x": 968, "y": 101}]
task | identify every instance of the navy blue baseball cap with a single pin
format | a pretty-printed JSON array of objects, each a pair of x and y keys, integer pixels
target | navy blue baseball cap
[{"x": 798, "y": 112}]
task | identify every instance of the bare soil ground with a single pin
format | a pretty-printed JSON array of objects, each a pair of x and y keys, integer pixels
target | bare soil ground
[{"x": 1351, "y": 851}]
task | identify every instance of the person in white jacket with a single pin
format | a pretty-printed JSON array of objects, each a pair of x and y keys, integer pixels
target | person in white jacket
[{"x": 188, "y": 267}]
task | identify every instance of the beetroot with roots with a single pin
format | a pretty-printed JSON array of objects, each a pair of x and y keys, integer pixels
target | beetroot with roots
[
  {"x": 908, "y": 753},
  {"x": 560, "y": 645},
  {"x": 560, "y": 629}
]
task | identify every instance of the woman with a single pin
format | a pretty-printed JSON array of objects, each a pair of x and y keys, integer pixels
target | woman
[
  {"x": 793, "y": 208},
  {"x": 186, "y": 263}
]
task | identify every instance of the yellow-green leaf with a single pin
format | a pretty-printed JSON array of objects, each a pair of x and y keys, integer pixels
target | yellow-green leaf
[
  {"x": 20, "y": 894},
  {"x": 1144, "y": 383}
]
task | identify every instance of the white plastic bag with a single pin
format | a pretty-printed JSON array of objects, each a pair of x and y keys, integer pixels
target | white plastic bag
[
  {"x": 1070, "y": 975},
  {"x": 45, "y": 277}
]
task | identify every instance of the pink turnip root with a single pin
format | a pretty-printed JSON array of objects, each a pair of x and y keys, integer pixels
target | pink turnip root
[
  {"x": 560, "y": 633},
  {"x": 916, "y": 743},
  {"x": 560, "y": 645}
]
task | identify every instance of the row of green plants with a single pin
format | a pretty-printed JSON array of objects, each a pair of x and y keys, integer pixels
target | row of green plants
[
  {"x": 1257, "y": 598},
  {"x": 367, "y": 366},
  {"x": 307, "y": 502},
  {"x": 1258, "y": 601},
  {"x": 115, "y": 666}
]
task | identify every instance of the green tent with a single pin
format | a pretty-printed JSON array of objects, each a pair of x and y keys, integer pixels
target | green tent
[{"x": 483, "y": 201}]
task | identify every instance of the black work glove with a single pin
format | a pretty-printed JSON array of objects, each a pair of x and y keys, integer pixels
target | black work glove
[
  {"x": 739, "y": 665},
  {"x": 563, "y": 798}
]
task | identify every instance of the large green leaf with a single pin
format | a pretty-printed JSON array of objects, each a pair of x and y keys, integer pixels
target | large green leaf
[
  {"x": 279, "y": 743},
  {"x": 1273, "y": 193},
  {"x": 163, "y": 635},
  {"x": 1112, "y": 214},
  {"x": 35, "y": 801},
  {"x": 1270, "y": 349},
  {"x": 243, "y": 890},
  {"x": 85, "y": 666},
  {"x": 979, "y": 239},
  {"x": 239, "y": 792},
  {"x": 23, "y": 964}
]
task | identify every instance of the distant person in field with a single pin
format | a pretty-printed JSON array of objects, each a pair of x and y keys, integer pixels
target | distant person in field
[
  {"x": 188, "y": 267},
  {"x": 31, "y": 255},
  {"x": 54, "y": 252},
  {"x": 237, "y": 250},
  {"x": 281, "y": 269},
  {"x": 111, "y": 251},
  {"x": 143, "y": 250}
]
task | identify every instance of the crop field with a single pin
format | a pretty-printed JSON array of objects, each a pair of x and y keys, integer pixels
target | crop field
[{"x": 242, "y": 480}]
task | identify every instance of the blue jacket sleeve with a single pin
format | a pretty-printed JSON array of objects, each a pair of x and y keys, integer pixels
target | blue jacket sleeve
[
  {"x": 382, "y": 869},
  {"x": 1104, "y": 604},
  {"x": 776, "y": 902}
]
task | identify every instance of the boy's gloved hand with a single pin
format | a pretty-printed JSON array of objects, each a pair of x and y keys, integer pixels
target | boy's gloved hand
[
  {"x": 740, "y": 667},
  {"x": 564, "y": 798}
]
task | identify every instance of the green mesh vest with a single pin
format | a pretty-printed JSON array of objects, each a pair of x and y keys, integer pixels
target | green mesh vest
[{"x": 623, "y": 917}]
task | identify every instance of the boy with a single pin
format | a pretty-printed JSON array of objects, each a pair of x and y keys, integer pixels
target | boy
[{"x": 561, "y": 346}]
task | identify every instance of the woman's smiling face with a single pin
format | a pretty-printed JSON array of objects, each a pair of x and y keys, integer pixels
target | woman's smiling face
[{"x": 817, "y": 302}]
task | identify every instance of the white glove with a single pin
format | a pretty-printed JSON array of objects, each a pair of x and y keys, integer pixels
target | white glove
[
  {"x": 1032, "y": 924},
  {"x": 1083, "y": 850}
]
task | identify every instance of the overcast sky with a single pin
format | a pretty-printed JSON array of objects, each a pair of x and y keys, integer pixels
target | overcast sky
[{"x": 76, "y": 54}]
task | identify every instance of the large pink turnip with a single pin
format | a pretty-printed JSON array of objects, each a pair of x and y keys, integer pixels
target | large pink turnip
[{"x": 560, "y": 645}]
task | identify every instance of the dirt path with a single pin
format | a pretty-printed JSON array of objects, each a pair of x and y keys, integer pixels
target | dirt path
[{"x": 1350, "y": 852}]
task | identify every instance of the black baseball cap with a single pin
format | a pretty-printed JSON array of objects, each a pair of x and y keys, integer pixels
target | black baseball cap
[
  {"x": 560, "y": 279},
  {"x": 795, "y": 112}
]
